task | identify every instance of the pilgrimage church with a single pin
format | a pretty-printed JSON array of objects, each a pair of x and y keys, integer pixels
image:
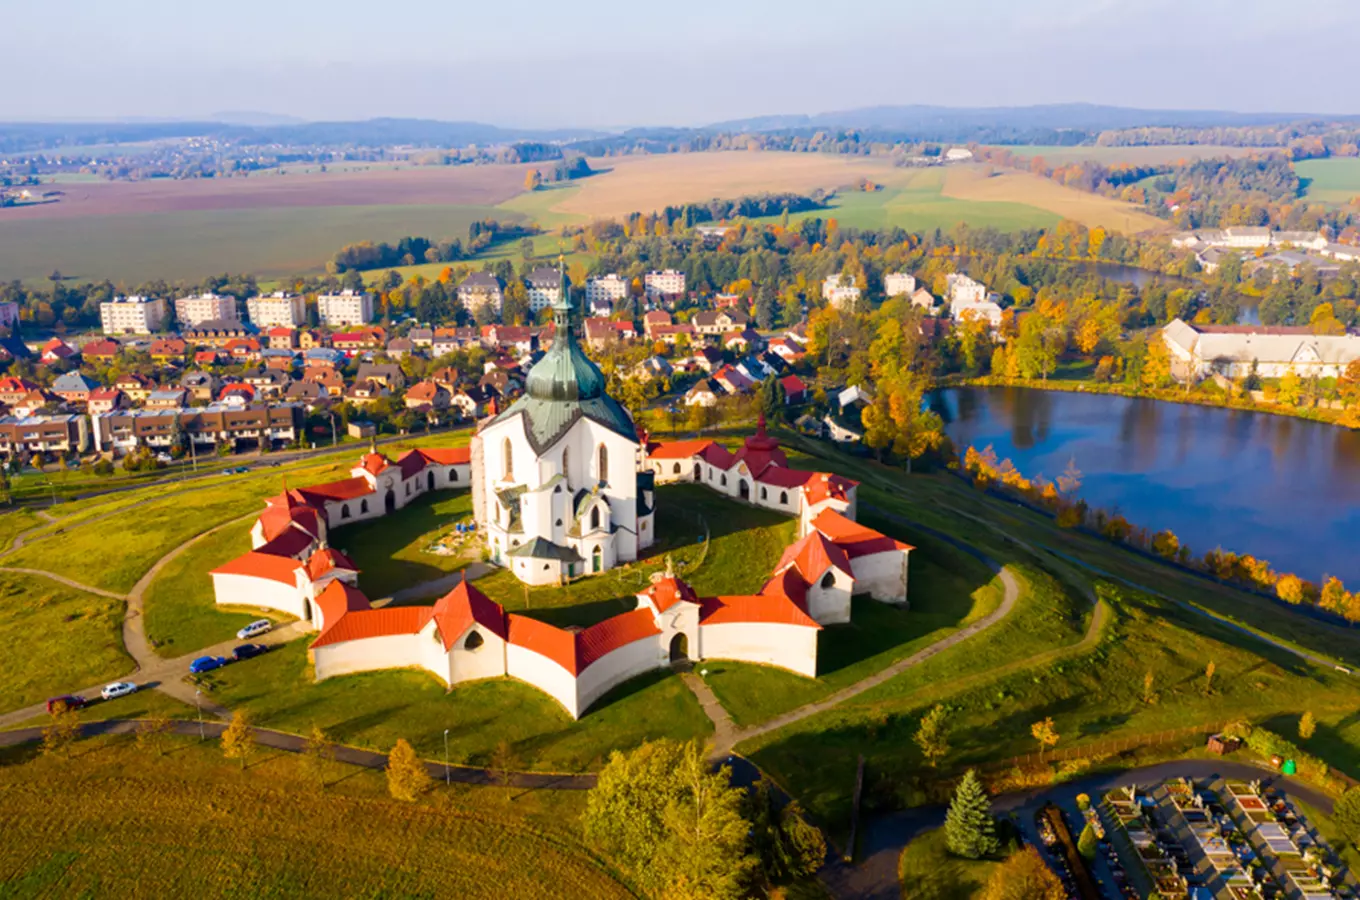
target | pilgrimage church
[
  {"x": 563, "y": 488},
  {"x": 556, "y": 482}
]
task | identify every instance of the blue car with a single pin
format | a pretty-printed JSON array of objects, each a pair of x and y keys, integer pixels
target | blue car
[{"x": 206, "y": 664}]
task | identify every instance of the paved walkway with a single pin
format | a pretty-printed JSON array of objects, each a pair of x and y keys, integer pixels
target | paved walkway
[{"x": 355, "y": 756}]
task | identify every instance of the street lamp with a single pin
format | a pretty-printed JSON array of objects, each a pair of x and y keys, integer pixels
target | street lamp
[
  {"x": 197, "y": 694},
  {"x": 446, "y": 757}
]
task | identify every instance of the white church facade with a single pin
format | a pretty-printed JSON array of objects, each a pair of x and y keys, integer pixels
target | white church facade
[{"x": 563, "y": 487}]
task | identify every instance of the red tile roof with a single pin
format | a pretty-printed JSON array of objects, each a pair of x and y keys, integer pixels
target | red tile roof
[
  {"x": 813, "y": 555},
  {"x": 855, "y": 539},
  {"x": 718, "y": 455},
  {"x": 348, "y": 489},
  {"x": 600, "y": 640},
  {"x": 375, "y": 463},
  {"x": 787, "y": 585},
  {"x": 678, "y": 449},
  {"x": 767, "y": 609},
  {"x": 826, "y": 486},
  {"x": 784, "y": 478},
  {"x": 669, "y": 591},
  {"x": 282, "y": 511},
  {"x": 324, "y": 561},
  {"x": 337, "y": 600},
  {"x": 371, "y": 623},
  {"x": 261, "y": 565},
  {"x": 293, "y": 542},
  {"x": 457, "y": 610},
  {"x": 543, "y": 639},
  {"x": 445, "y": 456}
]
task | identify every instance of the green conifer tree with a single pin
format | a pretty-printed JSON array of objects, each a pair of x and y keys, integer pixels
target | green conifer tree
[{"x": 969, "y": 829}]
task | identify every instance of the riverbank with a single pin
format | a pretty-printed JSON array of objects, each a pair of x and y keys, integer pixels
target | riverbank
[{"x": 1194, "y": 397}]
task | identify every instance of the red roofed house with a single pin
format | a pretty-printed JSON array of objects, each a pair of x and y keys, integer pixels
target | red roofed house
[
  {"x": 795, "y": 391},
  {"x": 163, "y": 349},
  {"x": 56, "y": 350},
  {"x": 243, "y": 348},
  {"x": 106, "y": 400},
  {"x": 13, "y": 389},
  {"x": 102, "y": 350}
]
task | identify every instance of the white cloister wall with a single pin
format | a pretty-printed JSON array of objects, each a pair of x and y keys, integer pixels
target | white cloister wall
[{"x": 792, "y": 647}]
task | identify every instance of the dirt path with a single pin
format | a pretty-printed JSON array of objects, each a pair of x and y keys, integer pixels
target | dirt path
[{"x": 62, "y": 579}]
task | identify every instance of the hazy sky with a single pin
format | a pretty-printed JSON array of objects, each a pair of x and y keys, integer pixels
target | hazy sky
[{"x": 624, "y": 62}]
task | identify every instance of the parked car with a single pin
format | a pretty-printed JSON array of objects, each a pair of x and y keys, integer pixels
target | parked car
[
  {"x": 71, "y": 701},
  {"x": 246, "y": 651},
  {"x": 206, "y": 664},
  {"x": 118, "y": 689},
  {"x": 254, "y": 629}
]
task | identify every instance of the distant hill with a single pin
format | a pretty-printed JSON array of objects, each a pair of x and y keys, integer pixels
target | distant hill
[{"x": 945, "y": 123}]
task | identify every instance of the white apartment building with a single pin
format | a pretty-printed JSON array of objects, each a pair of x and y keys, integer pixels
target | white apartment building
[
  {"x": 840, "y": 291},
  {"x": 277, "y": 309},
  {"x": 133, "y": 315},
  {"x": 661, "y": 284},
  {"x": 899, "y": 284},
  {"x": 959, "y": 288},
  {"x": 609, "y": 289},
  {"x": 191, "y": 312},
  {"x": 544, "y": 287},
  {"x": 348, "y": 307}
]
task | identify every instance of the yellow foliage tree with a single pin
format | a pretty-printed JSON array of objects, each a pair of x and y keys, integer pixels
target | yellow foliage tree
[
  {"x": 1024, "y": 876},
  {"x": 407, "y": 777}
]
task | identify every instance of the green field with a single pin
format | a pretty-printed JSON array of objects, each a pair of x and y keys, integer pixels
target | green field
[
  {"x": 928, "y": 871},
  {"x": 78, "y": 636},
  {"x": 375, "y": 708},
  {"x": 131, "y": 248},
  {"x": 116, "y": 820},
  {"x": 1335, "y": 180},
  {"x": 916, "y": 202}
]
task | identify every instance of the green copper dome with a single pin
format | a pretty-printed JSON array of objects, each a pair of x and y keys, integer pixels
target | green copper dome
[{"x": 566, "y": 385}]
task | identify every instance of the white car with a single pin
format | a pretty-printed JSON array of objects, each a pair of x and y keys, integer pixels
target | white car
[
  {"x": 254, "y": 629},
  {"x": 118, "y": 689}
]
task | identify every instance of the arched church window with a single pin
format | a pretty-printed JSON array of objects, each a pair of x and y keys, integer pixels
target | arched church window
[
  {"x": 783, "y": 497},
  {"x": 474, "y": 640},
  {"x": 828, "y": 579},
  {"x": 676, "y": 470},
  {"x": 507, "y": 454},
  {"x": 363, "y": 507},
  {"x": 344, "y": 511},
  {"x": 453, "y": 474},
  {"x": 595, "y": 517},
  {"x": 764, "y": 494},
  {"x": 603, "y": 463},
  {"x": 566, "y": 464}
]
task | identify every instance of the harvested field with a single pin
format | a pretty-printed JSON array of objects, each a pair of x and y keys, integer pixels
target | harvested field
[
  {"x": 425, "y": 186},
  {"x": 647, "y": 183},
  {"x": 986, "y": 183}
]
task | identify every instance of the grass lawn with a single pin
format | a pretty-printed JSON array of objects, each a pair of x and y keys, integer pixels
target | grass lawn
[
  {"x": 928, "y": 871},
  {"x": 112, "y": 552},
  {"x": 948, "y": 590},
  {"x": 59, "y": 639},
  {"x": 375, "y": 709},
  {"x": 13, "y": 522},
  {"x": 390, "y": 551},
  {"x": 180, "y": 611},
  {"x": 1335, "y": 180},
  {"x": 744, "y": 546},
  {"x": 118, "y": 820}
]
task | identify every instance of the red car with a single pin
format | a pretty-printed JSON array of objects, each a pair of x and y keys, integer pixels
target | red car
[{"x": 69, "y": 701}]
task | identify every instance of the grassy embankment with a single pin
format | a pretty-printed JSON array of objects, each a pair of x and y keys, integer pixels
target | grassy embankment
[{"x": 118, "y": 820}]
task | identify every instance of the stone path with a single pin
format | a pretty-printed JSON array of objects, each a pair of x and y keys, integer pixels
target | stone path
[{"x": 355, "y": 756}]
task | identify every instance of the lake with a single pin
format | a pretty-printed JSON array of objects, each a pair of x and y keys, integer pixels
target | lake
[{"x": 1280, "y": 488}]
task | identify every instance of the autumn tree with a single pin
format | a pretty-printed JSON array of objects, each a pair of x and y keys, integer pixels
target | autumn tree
[
  {"x": 533, "y": 179},
  {"x": 152, "y": 732},
  {"x": 932, "y": 736},
  {"x": 1307, "y": 725},
  {"x": 238, "y": 741},
  {"x": 1045, "y": 734},
  {"x": 1041, "y": 342},
  {"x": 898, "y": 423},
  {"x": 1024, "y": 876},
  {"x": 317, "y": 754},
  {"x": 1209, "y": 671},
  {"x": 671, "y": 823},
  {"x": 61, "y": 730},
  {"x": 1165, "y": 544},
  {"x": 407, "y": 777},
  {"x": 1324, "y": 320},
  {"x": 969, "y": 827}
]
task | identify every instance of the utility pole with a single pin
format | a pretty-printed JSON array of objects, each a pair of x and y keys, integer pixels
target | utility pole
[{"x": 446, "y": 757}]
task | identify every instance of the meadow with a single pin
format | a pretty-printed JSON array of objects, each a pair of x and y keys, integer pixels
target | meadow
[
  {"x": 115, "y": 819},
  {"x": 1335, "y": 180}
]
